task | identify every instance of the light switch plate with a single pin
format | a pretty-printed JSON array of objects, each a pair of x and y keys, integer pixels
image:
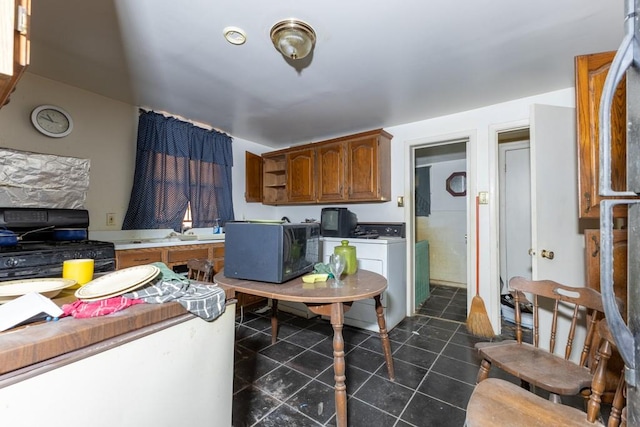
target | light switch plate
[{"x": 483, "y": 197}]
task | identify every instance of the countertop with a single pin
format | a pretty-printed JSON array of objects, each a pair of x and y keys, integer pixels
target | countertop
[
  {"x": 157, "y": 243},
  {"x": 43, "y": 345},
  {"x": 143, "y": 239}
]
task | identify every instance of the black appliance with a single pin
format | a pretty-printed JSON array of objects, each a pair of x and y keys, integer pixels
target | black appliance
[
  {"x": 38, "y": 254},
  {"x": 337, "y": 222},
  {"x": 373, "y": 230},
  {"x": 270, "y": 252}
]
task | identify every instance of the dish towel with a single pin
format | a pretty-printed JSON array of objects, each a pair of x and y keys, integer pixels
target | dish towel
[
  {"x": 84, "y": 309},
  {"x": 205, "y": 301}
]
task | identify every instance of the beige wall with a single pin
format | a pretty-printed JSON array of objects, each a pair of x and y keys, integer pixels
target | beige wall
[{"x": 104, "y": 131}]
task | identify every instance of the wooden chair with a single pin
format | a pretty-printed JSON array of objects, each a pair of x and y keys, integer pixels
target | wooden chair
[
  {"x": 539, "y": 366},
  {"x": 497, "y": 402},
  {"x": 200, "y": 270}
]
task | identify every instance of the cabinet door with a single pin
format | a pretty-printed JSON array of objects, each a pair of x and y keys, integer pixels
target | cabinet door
[
  {"x": 182, "y": 255},
  {"x": 14, "y": 46},
  {"x": 133, "y": 257},
  {"x": 591, "y": 72},
  {"x": 368, "y": 169},
  {"x": 592, "y": 261},
  {"x": 331, "y": 173},
  {"x": 218, "y": 257},
  {"x": 253, "y": 177},
  {"x": 301, "y": 185}
]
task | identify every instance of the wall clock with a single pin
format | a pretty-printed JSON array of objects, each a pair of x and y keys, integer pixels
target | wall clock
[{"x": 52, "y": 121}]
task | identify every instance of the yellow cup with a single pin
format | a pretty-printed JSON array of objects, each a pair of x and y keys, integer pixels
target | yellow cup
[{"x": 80, "y": 270}]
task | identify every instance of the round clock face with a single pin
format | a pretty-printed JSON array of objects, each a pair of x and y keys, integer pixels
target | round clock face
[{"x": 52, "y": 121}]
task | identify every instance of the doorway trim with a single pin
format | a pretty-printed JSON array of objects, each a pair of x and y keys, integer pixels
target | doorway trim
[
  {"x": 470, "y": 137},
  {"x": 493, "y": 305}
]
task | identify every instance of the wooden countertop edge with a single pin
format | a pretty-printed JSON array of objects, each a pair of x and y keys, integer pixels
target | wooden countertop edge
[
  {"x": 42, "y": 341},
  {"x": 24, "y": 346},
  {"x": 63, "y": 359}
]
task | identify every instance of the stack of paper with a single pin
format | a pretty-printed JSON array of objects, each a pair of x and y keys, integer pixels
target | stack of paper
[{"x": 28, "y": 307}]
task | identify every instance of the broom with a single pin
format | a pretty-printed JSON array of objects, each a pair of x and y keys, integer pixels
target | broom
[{"x": 478, "y": 322}]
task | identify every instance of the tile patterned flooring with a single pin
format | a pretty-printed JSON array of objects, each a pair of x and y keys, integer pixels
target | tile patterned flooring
[{"x": 290, "y": 383}]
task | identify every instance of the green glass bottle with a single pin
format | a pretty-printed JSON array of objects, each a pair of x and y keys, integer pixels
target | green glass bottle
[{"x": 349, "y": 253}]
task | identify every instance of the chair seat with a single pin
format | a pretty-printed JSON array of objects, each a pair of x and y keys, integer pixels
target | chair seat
[
  {"x": 536, "y": 366},
  {"x": 497, "y": 403}
]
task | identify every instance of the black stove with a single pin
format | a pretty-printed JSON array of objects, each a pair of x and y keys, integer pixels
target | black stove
[
  {"x": 374, "y": 230},
  {"x": 44, "y": 257}
]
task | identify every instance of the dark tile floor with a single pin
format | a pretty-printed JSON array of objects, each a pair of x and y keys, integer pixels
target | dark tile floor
[{"x": 291, "y": 382}]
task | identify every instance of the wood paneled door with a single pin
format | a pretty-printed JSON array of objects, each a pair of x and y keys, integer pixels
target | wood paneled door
[{"x": 591, "y": 72}]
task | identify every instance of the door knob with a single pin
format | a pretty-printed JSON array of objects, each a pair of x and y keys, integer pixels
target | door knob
[{"x": 546, "y": 254}]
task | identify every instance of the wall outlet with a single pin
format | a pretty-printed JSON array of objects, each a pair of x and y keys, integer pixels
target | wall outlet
[{"x": 111, "y": 219}]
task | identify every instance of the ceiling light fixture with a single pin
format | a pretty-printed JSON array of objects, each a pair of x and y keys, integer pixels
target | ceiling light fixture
[
  {"x": 293, "y": 38},
  {"x": 235, "y": 35}
]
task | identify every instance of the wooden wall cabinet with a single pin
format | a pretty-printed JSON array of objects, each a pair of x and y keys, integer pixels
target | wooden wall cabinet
[
  {"x": 590, "y": 73},
  {"x": 253, "y": 177},
  {"x": 331, "y": 163},
  {"x": 301, "y": 176},
  {"x": 350, "y": 169},
  {"x": 274, "y": 179},
  {"x": 369, "y": 167},
  {"x": 15, "y": 26}
]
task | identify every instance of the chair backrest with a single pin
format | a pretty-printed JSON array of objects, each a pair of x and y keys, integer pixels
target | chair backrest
[
  {"x": 500, "y": 402},
  {"x": 576, "y": 299},
  {"x": 200, "y": 270}
]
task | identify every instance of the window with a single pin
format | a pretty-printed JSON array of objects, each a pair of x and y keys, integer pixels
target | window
[{"x": 180, "y": 168}]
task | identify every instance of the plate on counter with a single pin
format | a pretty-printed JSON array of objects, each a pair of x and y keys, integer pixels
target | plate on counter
[
  {"x": 117, "y": 282},
  {"x": 48, "y": 287}
]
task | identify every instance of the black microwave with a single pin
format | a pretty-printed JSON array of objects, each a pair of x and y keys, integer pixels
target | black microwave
[
  {"x": 270, "y": 252},
  {"x": 337, "y": 222}
]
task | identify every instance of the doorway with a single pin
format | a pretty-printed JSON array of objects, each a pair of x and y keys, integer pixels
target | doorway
[
  {"x": 515, "y": 205},
  {"x": 443, "y": 223},
  {"x": 554, "y": 225}
]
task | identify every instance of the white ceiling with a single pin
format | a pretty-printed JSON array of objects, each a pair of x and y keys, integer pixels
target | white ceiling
[{"x": 376, "y": 63}]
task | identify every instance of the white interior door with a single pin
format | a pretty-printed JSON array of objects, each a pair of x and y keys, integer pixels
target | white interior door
[
  {"x": 515, "y": 211},
  {"x": 554, "y": 202},
  {"x": 554, "y": 197}
]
